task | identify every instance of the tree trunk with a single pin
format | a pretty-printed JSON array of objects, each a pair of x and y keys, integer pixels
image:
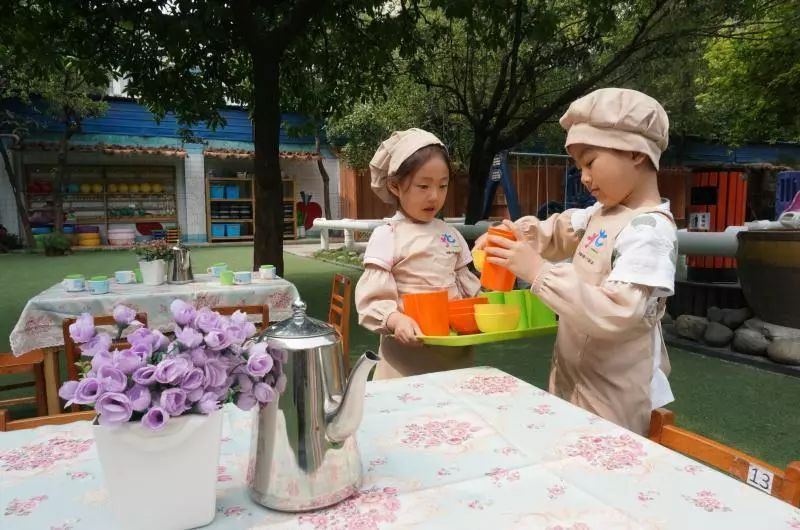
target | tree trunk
[
  {"x": 480, "y": 163},
  {"x": 22, "y": 210},
  {"x": 326, "y": 182},
  {"x": 58, "y": 198},
  {"x": 268, "y": 241}
]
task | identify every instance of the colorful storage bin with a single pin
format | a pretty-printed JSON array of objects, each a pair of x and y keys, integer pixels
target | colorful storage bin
[
  {"x": 232, "y": 191},
  {"x": 217, "y": 230},
  {"x": 217, "y": 191},
  {"x": 233, "y": 229}
]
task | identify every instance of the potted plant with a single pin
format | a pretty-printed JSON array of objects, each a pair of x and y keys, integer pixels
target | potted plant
[
  {"x": 159, "y": 422},
  {"x": 56, "y": 244},
  {"x": 153, "y": 257}
]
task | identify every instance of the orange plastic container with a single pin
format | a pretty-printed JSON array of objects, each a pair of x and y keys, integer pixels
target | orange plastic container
[
  {"x": 464, "y": 324},
  {"x": 493, "y": 276},
  {"x": 465, "y": 303},
  {"x": 429, "y": 310}
]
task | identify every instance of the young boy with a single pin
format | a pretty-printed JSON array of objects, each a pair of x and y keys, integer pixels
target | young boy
[{"x": 609, "y": 356}]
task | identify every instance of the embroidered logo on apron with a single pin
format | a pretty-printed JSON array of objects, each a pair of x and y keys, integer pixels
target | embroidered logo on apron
[{"x": 450, "y": 243}]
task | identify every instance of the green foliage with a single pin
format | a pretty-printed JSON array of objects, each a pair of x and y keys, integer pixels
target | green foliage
[
  {"x": 752, "y": 83},
  {"x": 57, "y": 241},
  {"x": 153, "y": 250}
]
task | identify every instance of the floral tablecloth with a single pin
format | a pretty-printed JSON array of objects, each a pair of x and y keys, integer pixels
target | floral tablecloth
[
  {"x": 473, "y": 448},
  {"x": 39, "y": 326}
]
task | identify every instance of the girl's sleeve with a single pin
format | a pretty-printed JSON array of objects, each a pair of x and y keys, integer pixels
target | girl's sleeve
[
  {"x": 376, "y": 298},
  {"x": 468, "y": 284},
  {"x": 556, "y": 238},
  {"x": 613, "y": 310},
  {"x": 376, "y": 291}
]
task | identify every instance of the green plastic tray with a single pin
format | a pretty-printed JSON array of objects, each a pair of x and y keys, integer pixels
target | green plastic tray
[{"x": 485, "y": 338}]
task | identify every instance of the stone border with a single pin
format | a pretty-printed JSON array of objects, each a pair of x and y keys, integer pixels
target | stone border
[{"x": 729, "y": 355}]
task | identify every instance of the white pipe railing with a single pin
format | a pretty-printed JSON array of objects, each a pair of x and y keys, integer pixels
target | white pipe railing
[{"x": 689, "y": 243}]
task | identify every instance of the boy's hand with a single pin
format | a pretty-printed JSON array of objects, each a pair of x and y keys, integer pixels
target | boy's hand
[
  {"x": 404, "y": 329},
  {"x": 517, "y": 256},
  {"x": 480, "y": 243}
]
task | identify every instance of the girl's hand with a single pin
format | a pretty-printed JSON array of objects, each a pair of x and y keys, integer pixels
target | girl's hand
[
  {"x": 517, "y": 256},
  {"x": 404, "y": 329}
]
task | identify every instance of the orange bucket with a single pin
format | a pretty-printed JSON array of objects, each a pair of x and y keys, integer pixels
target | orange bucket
[
  {"x": 495, "y": 277},
  {"x": 429, "y": 310}
]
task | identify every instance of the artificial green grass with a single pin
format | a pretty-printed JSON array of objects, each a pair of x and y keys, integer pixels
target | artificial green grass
[{"x": 744, "y": 407}]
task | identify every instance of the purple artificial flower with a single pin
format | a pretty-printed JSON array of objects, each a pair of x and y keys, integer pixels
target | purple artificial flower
[
  {"x": 246, "y": 401},
  {"x": 82, "y": 330},
  {"x": 198, "y": 357},
  {"x": 102, "y": 359},
  {"x": 141, "y": 336},
  {"x": 182, "y": 312},
  {"x": 159, "y": 341},
  {"x": 123, "y": 315},
  {"x": 206, "y": 320},
  {"x": 193, "y": 379},
  {"x": 236, "y": 333},
  {"x": 173, "y": 401},
  {"x": 97, "y": 344},
  {"x": 172, "y": 369},
  {"x": 87, "y": 391},
  {"x": 113, "y": 408},
  {"x": 112, "y": 379},
  {"x": 67, "y": 391},
  {"x": 217, "y": 339},
  {"x": 145, "y": 375},
  {"x": 208, "y": 403},
  {"x": 257, "y": 348},
  {"x": 193, "y": 396},
  {"x": 140, "y": 397},
  {"x": 215, "y": 373},
  {"x": 188, "y": 337},
  {"x": 244, "y": 382},
  {"x": 238, "y": 317},
  {"x": 259, "y": 364},
  {"x": 127, "y": 361},
  {"x": 279, "y": 355},
  {"x": 264, "y": 393},
  {"x": 155, "y": 419}
]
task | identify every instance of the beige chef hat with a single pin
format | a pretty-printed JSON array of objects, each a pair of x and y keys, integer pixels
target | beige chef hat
[
  {"x": 618, "y": 118},
  {"x": 392, "y": 153}
]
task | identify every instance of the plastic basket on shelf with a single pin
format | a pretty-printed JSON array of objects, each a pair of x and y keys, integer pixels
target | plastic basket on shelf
[
  {"x": 217, "y": 230},
  {"x": 217, "y": 191},
  {"x": 233, "y": 229}
]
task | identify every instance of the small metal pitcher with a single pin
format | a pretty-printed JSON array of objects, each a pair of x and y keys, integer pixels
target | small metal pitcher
[{"x": 180, "y": 268}]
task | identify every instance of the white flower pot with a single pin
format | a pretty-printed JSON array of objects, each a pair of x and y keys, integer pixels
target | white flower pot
[
  {"x": 153, "y": 272},
  {"x": 165, "y": 479}
]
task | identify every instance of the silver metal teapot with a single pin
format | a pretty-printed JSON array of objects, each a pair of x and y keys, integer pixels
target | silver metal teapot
[
  {"x": 303, "y": 455},
  {"x": 180, "y": 266}
]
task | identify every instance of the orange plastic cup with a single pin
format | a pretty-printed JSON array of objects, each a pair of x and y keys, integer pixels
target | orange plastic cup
[
  {"x": 429, "y": 310},
  {"x": 495, "y": 277}
]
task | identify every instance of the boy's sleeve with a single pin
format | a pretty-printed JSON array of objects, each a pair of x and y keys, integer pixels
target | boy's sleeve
[
  {"x": 556, "y": 238},
  {"x": 610, "y": 311}
]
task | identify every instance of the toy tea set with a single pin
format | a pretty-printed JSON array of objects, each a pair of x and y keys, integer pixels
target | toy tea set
[
  {"x": 227, "y": 277},
  {"x": 499, "y": 314}
]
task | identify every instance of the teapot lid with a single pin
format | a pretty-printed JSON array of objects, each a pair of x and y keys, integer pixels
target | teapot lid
[{"x": 299, "y": 325}]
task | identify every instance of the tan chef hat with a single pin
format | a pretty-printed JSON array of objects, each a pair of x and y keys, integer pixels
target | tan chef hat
[
  {"x": 392, "y": 153},
  {"x": 618, "y": 118}
]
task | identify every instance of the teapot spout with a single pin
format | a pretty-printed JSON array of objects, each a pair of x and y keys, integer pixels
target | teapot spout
[{"x": 347, "y": 417}]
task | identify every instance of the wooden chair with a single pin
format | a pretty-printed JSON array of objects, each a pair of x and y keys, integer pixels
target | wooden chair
[
  {"x": 6, "y": 424},
  {"x": 784, "y": 484},
  {"x": 339, "y": 312},
  {"x": 72, "y": 350},
  {"x": 262, "y": 310},
  {"x": 30, "y": 363}
]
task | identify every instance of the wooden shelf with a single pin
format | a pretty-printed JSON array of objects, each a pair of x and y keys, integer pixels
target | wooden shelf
[
  {"x": 245, "y": 199},
  {"x": 229, "y": 179},
  {"x": 143, "y": 219},
  {"x": 221, "y": 220},
  {"x": 232, "y": 238}
]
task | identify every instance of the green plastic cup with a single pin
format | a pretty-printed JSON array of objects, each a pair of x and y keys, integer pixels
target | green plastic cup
[
  {"x": 539, "y": 315},
  {"x": 98, "y": 278},
  {"x": 518, "y": 298},
  {"x": 138, "y": 274},
  {"x": 494, "y": 297},
  {"x": 226, "y": 278}
]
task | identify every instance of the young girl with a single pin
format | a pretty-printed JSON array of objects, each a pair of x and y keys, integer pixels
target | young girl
[
  {"x": 609, "y": 356},
  {"x": 414, "y": 253}
]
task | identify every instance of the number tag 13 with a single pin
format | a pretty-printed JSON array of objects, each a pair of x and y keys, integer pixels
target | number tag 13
[{"x": 760, "y": 478}]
